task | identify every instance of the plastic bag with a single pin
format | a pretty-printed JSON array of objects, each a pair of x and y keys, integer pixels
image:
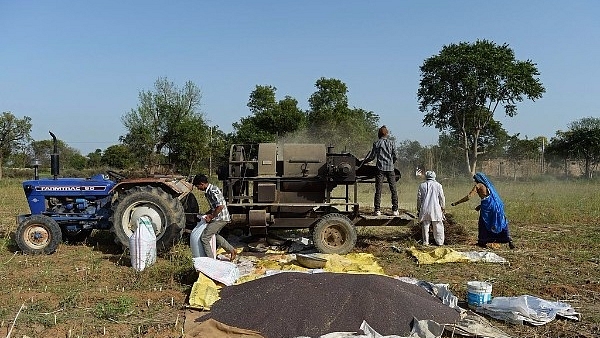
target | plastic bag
[
  {"x": 142, "y": 244},
  {"x": 530, "y": 309},
  {"x": 196, "y": 244},
  {"x": 221, "y": 271}
]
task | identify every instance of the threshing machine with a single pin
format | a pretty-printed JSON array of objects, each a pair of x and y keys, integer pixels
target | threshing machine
[{"x": 287, "y": 186}]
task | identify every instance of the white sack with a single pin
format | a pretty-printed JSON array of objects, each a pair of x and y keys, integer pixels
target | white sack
[
  {"x": 221, "y": 271},
  {"x": 196, "y": 244},
  {"x": 142, "y": 244}
]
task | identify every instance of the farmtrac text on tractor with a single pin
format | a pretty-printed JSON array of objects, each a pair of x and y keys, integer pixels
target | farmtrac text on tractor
[{"x": 70, "y": 208}]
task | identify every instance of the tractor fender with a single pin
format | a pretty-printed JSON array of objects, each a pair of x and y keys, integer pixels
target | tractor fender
[{"x": 175, "y": 186}]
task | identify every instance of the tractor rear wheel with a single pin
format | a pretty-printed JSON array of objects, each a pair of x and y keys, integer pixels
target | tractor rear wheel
[
  {"x": 191, "y": 208},
  {"x": 165, "y": 212},
  {"x": 38, "y": 234},
  {"x": 334, "y": 234}
]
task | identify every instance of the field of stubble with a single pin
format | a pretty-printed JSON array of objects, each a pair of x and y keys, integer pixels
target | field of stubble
[{"x": 90, "y": 290}]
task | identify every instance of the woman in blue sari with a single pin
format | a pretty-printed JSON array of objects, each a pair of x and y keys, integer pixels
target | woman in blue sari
[{"x": 493, "y": 225}]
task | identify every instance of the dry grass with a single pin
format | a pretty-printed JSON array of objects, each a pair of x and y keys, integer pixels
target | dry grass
[
  {"x": 556, "y": 227},
  {"x": 89, "y": 290}
]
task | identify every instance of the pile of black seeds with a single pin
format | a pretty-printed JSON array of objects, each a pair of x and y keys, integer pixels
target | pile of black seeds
[{"x": 292, "y": 304}]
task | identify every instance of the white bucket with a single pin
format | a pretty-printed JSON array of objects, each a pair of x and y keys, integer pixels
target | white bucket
[{"x": 478, "y": 293}]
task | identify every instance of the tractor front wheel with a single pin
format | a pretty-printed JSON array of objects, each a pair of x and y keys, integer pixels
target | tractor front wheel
[
  {"x": 38, "y": 234},
  {"x": 334, "y": 234},
  {"x": 165, "y": 212}
]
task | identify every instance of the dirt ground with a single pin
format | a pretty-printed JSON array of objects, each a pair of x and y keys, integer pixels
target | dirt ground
[{"x": 90, "y": 290}]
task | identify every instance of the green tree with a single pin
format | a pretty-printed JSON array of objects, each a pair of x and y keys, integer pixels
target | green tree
[
  {"x": 333, "y": 122},
  {"x": 14, "y": 133},
  {"x": 581, "y": 141},
  {"x": 153, "y": 127},
  {"x": 220, "y": 144},
  {"x": 77, "y": 161},
  {"x": 43, "y": 149},
  {"x": 450, "y": 155},
  {"x": 410, "y": 155},
  {"x": 519, "y": 150},
  {"x": 20, "y": 158},
  {"x": 329, "y": 104},
  {"x": 117, "y": 156},
  {"x": 70, "y": 158},
  {"x": 192, "y": 145},
  {"x": 270, "y": 118},
  {"x": 490, "y": 142},
  {"x": 94, "y": 159},
  {"x": 461, "y": 87}
]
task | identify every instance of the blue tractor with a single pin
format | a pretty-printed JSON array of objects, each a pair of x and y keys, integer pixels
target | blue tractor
[{"x": 70, "y": 208}]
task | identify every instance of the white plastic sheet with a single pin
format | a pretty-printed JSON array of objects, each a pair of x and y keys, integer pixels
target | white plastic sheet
[
  {"x": 530, "y": 309},
  {"x": 442, "y": 291},
  {"x": 421, "y": 329},
  {"x": 484, "y": 256}
]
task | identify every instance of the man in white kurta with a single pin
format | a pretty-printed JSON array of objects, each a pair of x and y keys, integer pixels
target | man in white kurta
[{"x": 430, "y": 206}]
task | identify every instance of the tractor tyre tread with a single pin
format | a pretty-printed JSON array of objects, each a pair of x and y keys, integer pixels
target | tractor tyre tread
[
  {"x": 173, "y": 215},
  {"x": 339, "y": 226},
  {"x": 50, "y": 226}
]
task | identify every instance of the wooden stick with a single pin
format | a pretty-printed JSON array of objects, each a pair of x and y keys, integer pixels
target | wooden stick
[
  {"x": 13, "y": 256},
  {"x": 53, "y": 312},
  {"x": 15, "y": 321}
]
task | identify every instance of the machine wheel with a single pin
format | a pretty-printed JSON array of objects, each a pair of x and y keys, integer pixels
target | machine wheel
[
  {"x": 165, "y": 211},
  {"x": 335, "y": 234},
  {"x": 38, "y": 234}
]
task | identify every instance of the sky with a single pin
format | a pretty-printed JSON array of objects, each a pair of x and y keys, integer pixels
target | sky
[{"x": 76, "y": 67}]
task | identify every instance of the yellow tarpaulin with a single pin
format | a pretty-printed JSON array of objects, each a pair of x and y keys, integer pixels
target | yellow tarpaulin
[
  {"x": 438, "y": 255},
  {"x": 205, "y": 292},
  {"x": 353, "y": 263}
]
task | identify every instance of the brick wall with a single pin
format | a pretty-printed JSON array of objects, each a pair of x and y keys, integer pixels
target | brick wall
[{"x": 528, "y": 168}]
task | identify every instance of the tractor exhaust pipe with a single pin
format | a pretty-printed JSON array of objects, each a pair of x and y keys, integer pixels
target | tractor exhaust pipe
[{"x": 54, "y": 162}]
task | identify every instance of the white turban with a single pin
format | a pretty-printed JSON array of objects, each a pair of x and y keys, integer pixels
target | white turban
[{"x": 430, "y": 175}]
